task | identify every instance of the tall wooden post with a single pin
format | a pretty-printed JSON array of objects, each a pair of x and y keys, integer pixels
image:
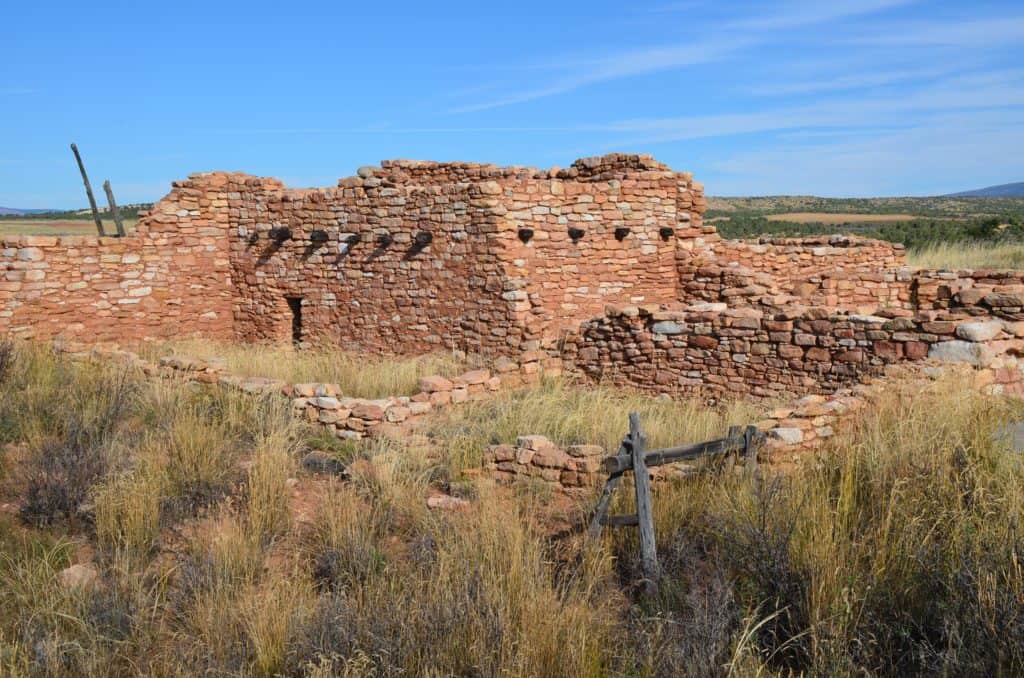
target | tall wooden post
[
  {"x": 114, "y": 212},
  {"x": 88, "y": 191},
  {"x": 644, "y": 510}
]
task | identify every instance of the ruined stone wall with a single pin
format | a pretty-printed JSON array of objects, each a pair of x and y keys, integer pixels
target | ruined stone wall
[
  {"x": 170, "y": 278},
  {"x": 604, "y": 231},
  {"x": 512, "y": 256},
  {"x": 838, "y": 271},
  {"x": 413, "y": 257},
  {"x": 747, "y": 351},
  {"x": 979, "y": 292},
  {"x": 352, "y": 261}
]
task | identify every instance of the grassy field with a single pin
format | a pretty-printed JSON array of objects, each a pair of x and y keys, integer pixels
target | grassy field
[
  {"x": 928, "y": 207},
  {"x": 897, "y": 552},
  {"x": 968, "y": 255},
  {"x": 59, "y": 226},
  {"x": 914, "y": 222}
]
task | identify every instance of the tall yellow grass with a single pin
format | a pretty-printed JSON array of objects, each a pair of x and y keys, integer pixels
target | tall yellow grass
[
  {"x": 359, "y": 375},
  {"x": 582, "y": 415},
  {"x": 895, "y": 551},
  {"x": 968, "y": 256}
]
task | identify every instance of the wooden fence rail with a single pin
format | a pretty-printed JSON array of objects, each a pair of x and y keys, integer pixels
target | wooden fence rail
[{"x": 633, "y": 455}]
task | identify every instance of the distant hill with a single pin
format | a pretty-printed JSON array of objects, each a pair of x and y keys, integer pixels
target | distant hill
[
  {"x": 1002, "y": 191},
  {"x": 129, "y": 211},
  {"x": 17, "y": 212}
]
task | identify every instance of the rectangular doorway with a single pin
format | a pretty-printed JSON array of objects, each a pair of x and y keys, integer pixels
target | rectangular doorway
[{"x": 295, "y": 306}]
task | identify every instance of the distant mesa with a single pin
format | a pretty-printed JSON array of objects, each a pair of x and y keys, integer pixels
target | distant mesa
[{"x": 1001, "y": 191}]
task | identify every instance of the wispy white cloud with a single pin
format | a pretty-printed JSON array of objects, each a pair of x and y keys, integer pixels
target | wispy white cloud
[
  {"x": 962, "y": 93},
  {"x": 800, "y": 13},
  {"x": 962, "y": 33},
  {"x": 878, "y": 164},
  {"x": 636, "y": 62},
  {"x": 733, "y": 38},
  {"x": 843, "y": 82}
]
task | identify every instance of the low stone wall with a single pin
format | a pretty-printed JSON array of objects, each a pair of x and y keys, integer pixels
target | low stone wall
[
  {"x": 709, "y": 350},
  {"x": 576, "y": 468},
  {"x": 978, "y": 292},
  {"x": 845, "y": 272},
  {"x": 355, "y": 418}
]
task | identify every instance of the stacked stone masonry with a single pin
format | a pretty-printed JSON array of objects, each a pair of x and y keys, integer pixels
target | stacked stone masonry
[
  {"x": 414, "y": 257},
  {"x": 711, "y": 350}
]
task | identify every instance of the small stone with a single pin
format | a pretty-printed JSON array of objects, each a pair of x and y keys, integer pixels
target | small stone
[
  {"x": 668, "y": 327},
  {"x": 979, "y": 331},
  {"x": 446, "y": 502},
  {"x": 326, "y": 403},
  {"x": 321, "y": 462},
  {"x": 789, "y": 436},
  {"x": 80, "y": 576},
  {"x": 435, "y": 383},
  {"x": 585, "y": 450},
  {"x": 534, "y": 442},
  {"x": 475, "y": 377},
  {"x": 369, "y": 410}
]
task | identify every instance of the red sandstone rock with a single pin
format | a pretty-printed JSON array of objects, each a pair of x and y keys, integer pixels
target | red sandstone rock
[{"x": 435, "y": 383}]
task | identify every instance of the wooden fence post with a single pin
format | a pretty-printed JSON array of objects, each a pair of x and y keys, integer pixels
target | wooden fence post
[
  {"x": 633, "y": 455},
  {"x": 114, "y": 212},
  {"x": 88, "y": 192},
  {"x": 752, "y": 438},
  {"x": 644, "y": 512}
]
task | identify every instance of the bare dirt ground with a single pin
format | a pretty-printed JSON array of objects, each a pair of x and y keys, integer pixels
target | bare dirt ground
[{"x": 838, "y": 218}]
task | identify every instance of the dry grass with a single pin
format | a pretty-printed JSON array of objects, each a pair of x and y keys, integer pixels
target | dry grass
[
  {"x": 896, "y": 553},
  {"x": 588, "y": 415},
  {"x": 359, "y": 376},
  {"x": 59, "y": 227},
  {"x": 836, "y": 218},
  {"x": 968, "y": 256}
]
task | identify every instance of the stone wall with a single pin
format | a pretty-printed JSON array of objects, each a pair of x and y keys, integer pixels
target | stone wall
[
  {"x": 408, "y": 257},
  {"x": 574, "y": 469},
  {"x": 709, "y": 350},
  {"x": 171, "y": 277},
  {"x": 351, "y": 261},
  {"x": 847, "y": 272},
  {"x": 980, "y": 292},
  {"x": 605, "y": 235},
  {"x": 412, "y": 257}
]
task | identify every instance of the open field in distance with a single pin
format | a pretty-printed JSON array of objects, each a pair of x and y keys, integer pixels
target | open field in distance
[
  {"x": 59, "y": 226},
  {"x": 935, "y": 207},
  {"x": 837, "y": 217}
]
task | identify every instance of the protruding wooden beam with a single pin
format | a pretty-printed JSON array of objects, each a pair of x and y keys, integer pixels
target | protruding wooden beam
[
  {"x": 114, "y": 212},
  {"x": 88, "y": 191}
]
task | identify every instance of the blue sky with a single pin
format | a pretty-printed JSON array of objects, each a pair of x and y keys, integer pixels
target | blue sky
[{"x": 839, "y": 98}]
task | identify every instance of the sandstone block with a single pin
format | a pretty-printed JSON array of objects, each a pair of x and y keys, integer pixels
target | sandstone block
[
  {"x": 435, "y": 384},
  {"x": 979, "y": 331},
  {"x": 957, "y": 351},
  {"x": 787, "y": 436}
]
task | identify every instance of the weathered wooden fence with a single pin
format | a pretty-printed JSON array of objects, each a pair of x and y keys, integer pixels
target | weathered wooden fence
[{"x": 633, "y": 455}]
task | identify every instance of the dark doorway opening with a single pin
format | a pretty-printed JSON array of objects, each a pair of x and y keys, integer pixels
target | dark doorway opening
[{"x": 295, "y": 304}]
